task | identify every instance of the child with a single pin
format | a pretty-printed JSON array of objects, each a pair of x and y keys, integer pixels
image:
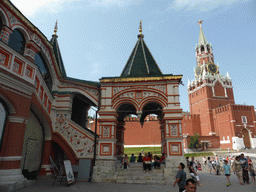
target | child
[
  {"x": 252, "y": 172},
  {"x": 226, "y": 168},
  {"x": 199, "y": 167}
]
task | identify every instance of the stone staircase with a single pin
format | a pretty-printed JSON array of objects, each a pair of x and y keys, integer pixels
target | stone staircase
[{"x": 135, "y": 174}]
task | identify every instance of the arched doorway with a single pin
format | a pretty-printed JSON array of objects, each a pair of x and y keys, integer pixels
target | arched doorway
[
  {"x": 32, "y": 147},
  {"x": 246, "y": 138},
  {"x": 3, "y": 117}
]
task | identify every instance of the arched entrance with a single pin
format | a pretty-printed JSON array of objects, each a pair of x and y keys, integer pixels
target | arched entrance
[
  {"x": 32, "y": 147},
  {"x": 246, "y": 138}
]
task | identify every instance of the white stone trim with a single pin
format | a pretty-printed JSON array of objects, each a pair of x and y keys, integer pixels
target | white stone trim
[
  {"x": 46, "y": 167},
  {"x": 129, "y": 146},
  {"x": 48, "y": 138},
  {"x": 224, "y": 142},
  {"x": 15, "y": 119},
  {"x": 11, "y": 158},
  {"x": 205, "y": 141}
]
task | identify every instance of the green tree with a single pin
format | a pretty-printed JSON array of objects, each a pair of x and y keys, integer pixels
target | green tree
[{"x": 194, "y": 141}]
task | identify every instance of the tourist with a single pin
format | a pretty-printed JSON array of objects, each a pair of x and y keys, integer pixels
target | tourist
[
  {"x": 156, "y": 162},
  {"x": 199, "y": 167},
  {"x": 252, "y": 171},
  {"x": 162, "y": 159},
  {"x": 190, "y": 185},
  {"x": 217, "y": 165},
  {"x": 238, "y": 169},
  {"x": 125, "y": 162},
  {"x": 187, "y": 160},
  {"x": 146, "y": 163},
  {"x": 210, "y": 164},
  {"x": 204, "y": 160},
  {"x": 244, "y": 162},
  {"x": 220, "y": 159},
  {"x": 132, "y": 159},
  {"x": 226, "y": 168},
  {"x": 192, "y": 171},
  {"x": 140, "y": 158},
  {"x": 213, "y": 164},
  {"x": 181, "y": 178}
]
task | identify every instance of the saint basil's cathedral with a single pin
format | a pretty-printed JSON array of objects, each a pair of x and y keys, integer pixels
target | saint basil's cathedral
[{"x": 44, "y": 113}]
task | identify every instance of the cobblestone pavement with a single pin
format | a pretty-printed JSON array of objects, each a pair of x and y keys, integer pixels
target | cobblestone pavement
[{"x": 210, "y": 183}]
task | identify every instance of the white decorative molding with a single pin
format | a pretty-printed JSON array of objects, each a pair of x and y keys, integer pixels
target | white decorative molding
[
  {"x": 11, "y": 158},
  {"x": 15, "y": 119},
  {"x": 81, "y": 141},
  {"x": 225, "y": 142}
]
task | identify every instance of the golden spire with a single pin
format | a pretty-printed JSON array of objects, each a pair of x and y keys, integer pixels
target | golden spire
[
  {"x": 140, "y": 30},
  {"x": 55, "y": 28}
]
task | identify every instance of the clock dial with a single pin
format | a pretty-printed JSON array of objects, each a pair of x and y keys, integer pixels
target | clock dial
[
  {"x": 212, "y": 68},
  {"x": 198, "y": 70}
]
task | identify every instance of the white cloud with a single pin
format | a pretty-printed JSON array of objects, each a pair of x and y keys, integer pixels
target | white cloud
[
  {"x": 31, "y": 7},
  {"x": 202, "y": 5}
]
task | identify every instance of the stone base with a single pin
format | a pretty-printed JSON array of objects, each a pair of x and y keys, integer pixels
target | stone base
[
  {"x": 172, "y": 169},
  {"x": 104, "y": 171},
  {"x": 13, "y": 179}
]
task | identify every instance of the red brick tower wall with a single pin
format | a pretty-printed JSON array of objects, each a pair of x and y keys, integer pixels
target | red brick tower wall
[
  {"x": 223, "y": 125},
  {"x": 191, "y": 124},
  {"x": 203, "y": 101}
]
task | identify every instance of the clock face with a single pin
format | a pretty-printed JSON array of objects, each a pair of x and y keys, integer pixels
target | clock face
[
  {"x": 212, "y": 68},
  {"x": 198, "y": 70}
]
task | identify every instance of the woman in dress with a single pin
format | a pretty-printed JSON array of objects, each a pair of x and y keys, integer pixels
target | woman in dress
[{"x": 237, "y": 167}]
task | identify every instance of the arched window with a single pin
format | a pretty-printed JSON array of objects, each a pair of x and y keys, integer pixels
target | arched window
[
  {"x": 202, "y": 48},
  {"x": 208, "y": 48},
  {"x": 42, "y": 66},
  {"x": 3, "y": 116},
  {"x": 17, "y": 41}
]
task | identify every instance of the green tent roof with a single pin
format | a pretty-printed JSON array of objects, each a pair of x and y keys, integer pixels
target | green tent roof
[
  {"x": 141, "y": 63},
  {"x": 57, "y": 53}
]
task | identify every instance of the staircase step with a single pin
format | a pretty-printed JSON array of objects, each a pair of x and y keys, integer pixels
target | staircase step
[
  {"x": 141, "y": 182},
  {"x": 140, "y": 177},
  {"x": 153, "y": 174}
]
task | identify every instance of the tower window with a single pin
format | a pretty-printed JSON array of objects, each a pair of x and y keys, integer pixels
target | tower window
[
  {"x": 202, "y": 48},
  {"x": 208, "y": 48}
]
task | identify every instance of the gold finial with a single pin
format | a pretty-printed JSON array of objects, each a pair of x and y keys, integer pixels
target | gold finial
[
  {"x": 140, "y": 30},
  {"x": 55, "y": 28},
  {"x": 200, "y": 23}
]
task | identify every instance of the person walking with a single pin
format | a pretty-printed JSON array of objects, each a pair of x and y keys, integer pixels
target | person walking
[
  {"x": 192, "y": 171},
  {"x": 226, "y": 168},
  {"x": 244, "y": 162},
  {"x": 210, "y": 164},
  {"x": 180, "y": 178},
  {"x": 238, "y": 169},
  {"x": 252, "y": 171}
]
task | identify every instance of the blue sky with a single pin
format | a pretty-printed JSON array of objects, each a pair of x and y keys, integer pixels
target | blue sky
[{"x": 96, "y": 37}]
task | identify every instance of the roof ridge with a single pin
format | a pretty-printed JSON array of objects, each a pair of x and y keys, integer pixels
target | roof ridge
[{"x": 144, "y": 54}]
